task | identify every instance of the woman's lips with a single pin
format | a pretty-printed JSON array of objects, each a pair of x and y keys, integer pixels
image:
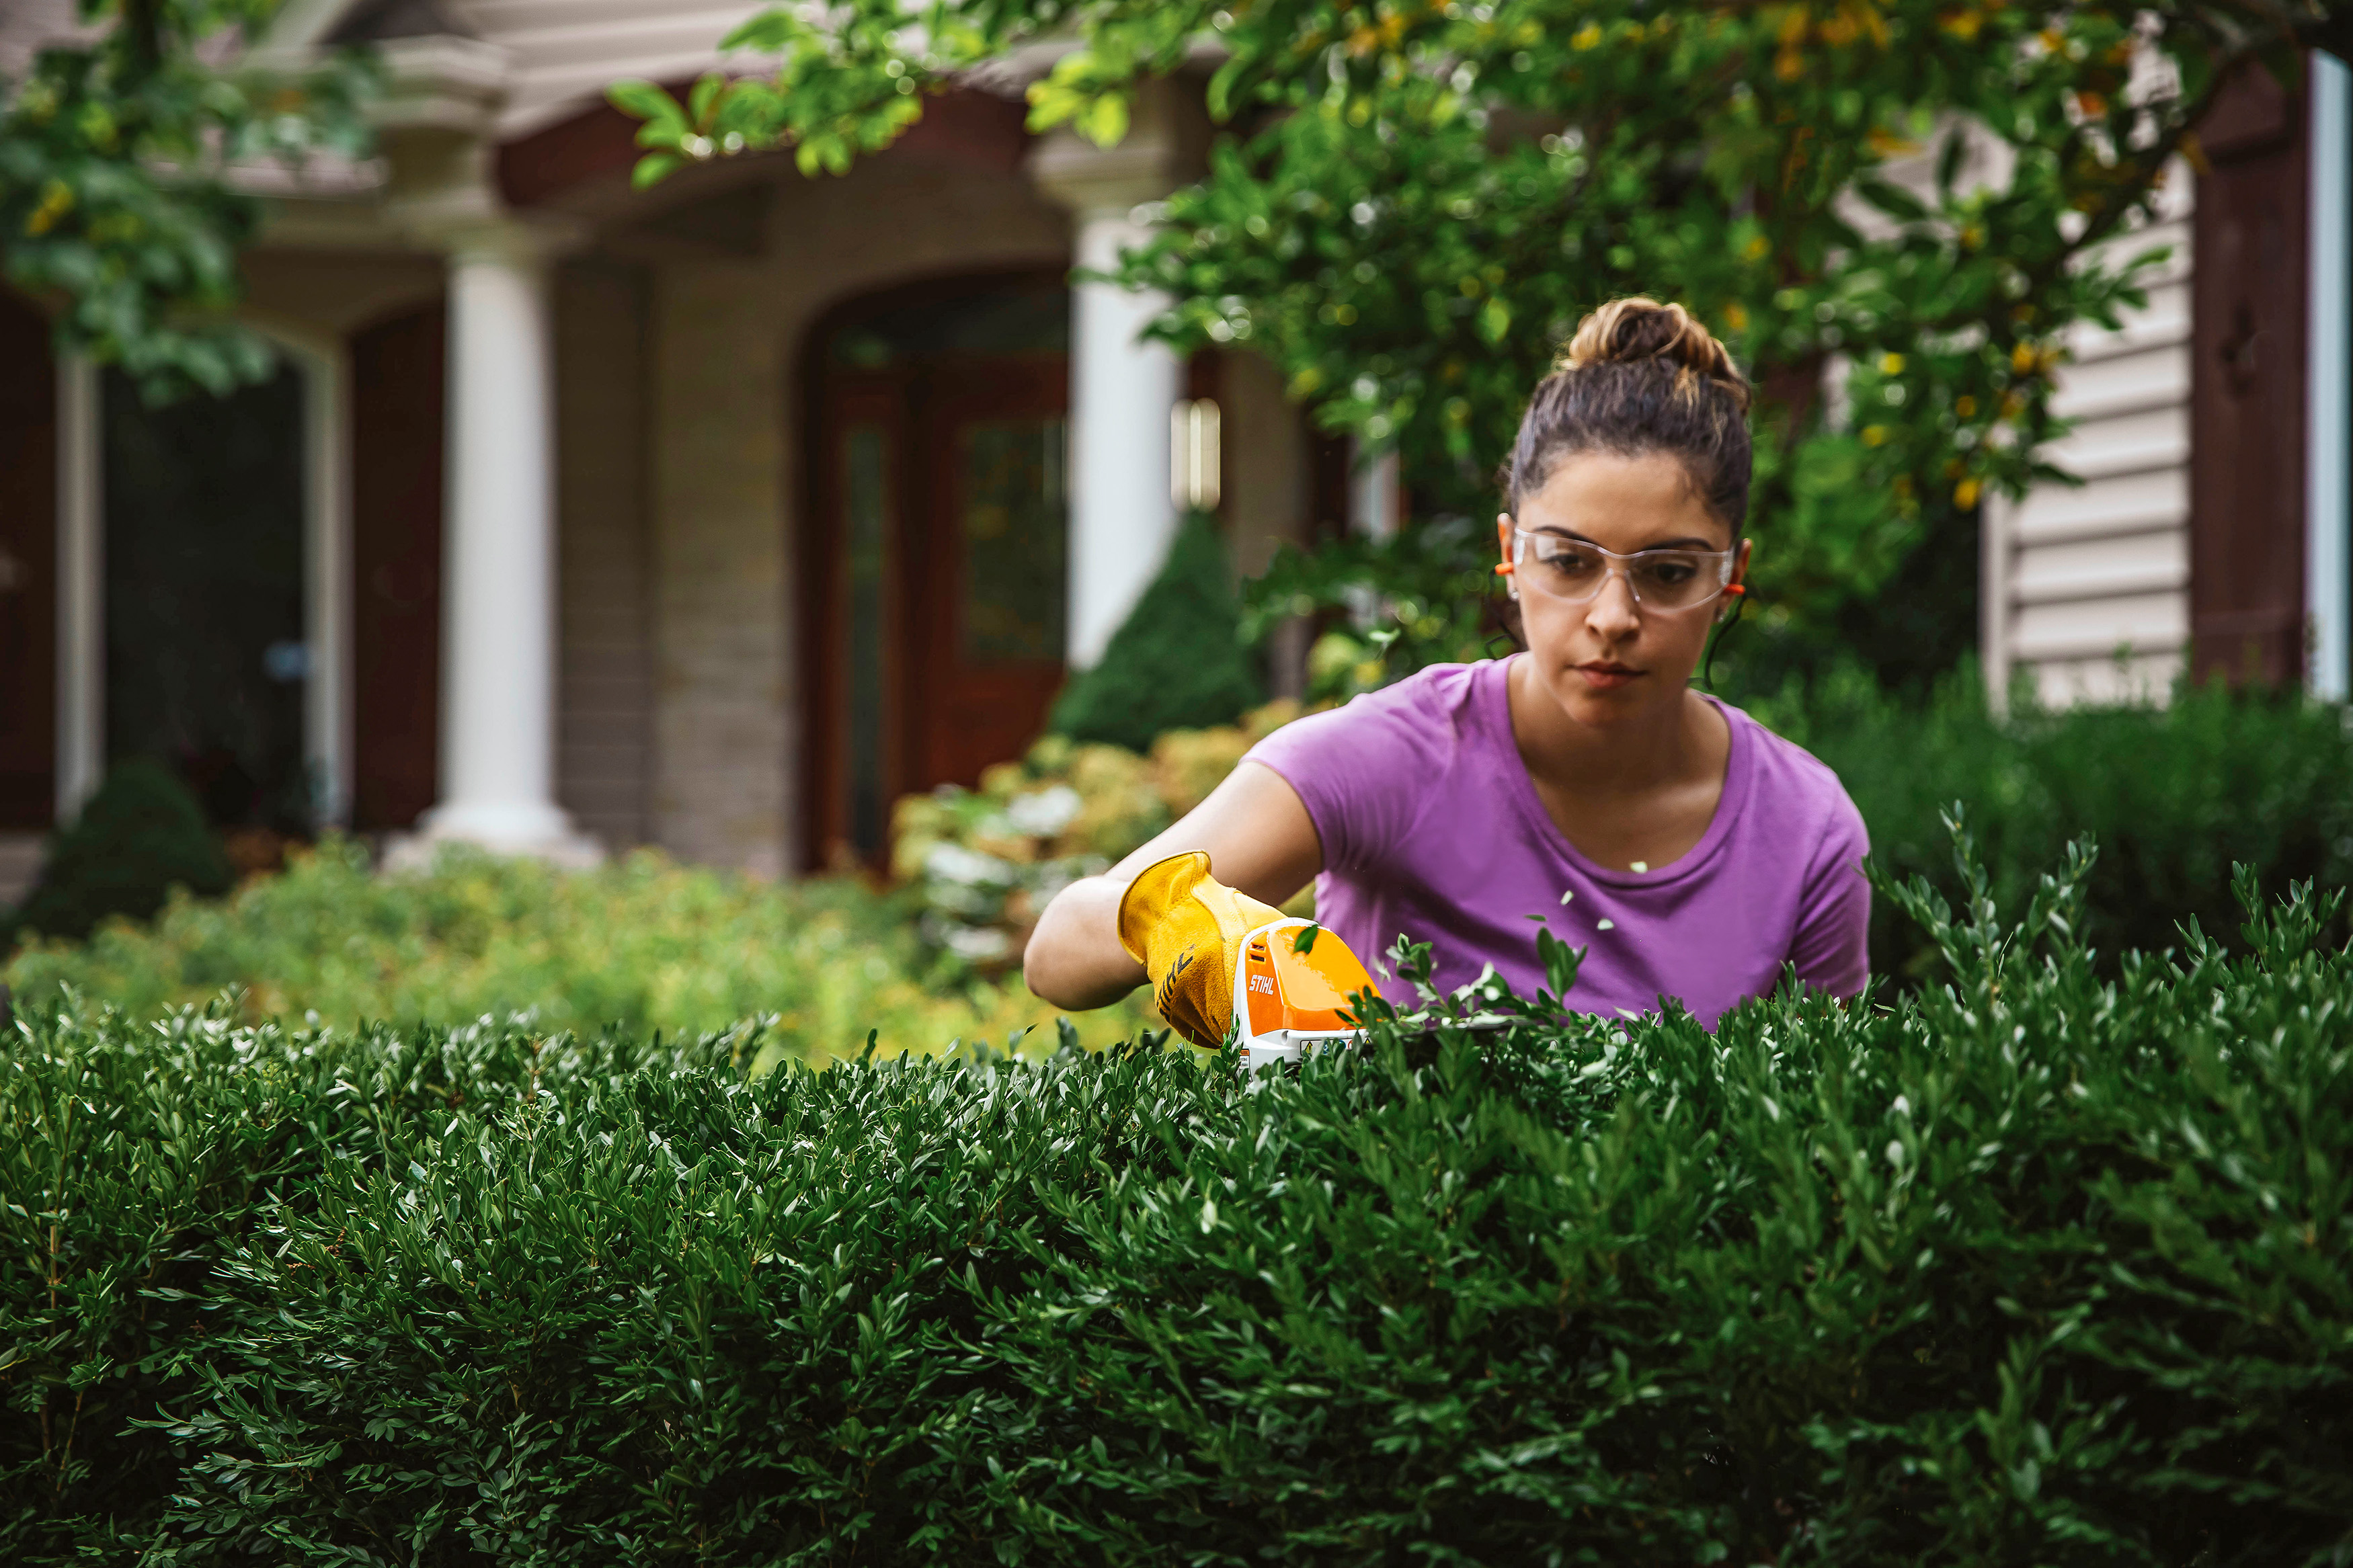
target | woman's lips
[{"x": 1607, "y": 677}]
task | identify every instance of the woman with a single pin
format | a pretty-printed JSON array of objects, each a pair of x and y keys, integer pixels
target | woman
[{"x": 1582, "y": 782}]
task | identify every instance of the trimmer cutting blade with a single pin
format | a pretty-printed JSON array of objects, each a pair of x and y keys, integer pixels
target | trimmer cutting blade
[{"x": 1286, "y": 1000}]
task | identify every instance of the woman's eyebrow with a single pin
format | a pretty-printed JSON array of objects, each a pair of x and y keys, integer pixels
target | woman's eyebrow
[{"x": 1686, "y": 543}]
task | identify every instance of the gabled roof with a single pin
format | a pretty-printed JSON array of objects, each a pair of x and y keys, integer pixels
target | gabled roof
[{"x": 562, "y": 53}]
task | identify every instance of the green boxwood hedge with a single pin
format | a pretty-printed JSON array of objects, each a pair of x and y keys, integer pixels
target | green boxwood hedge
[{"x": 2042, "y": 1264}]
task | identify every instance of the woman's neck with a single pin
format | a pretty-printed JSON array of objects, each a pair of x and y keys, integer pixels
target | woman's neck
[{"x": 1658, "y": 747}]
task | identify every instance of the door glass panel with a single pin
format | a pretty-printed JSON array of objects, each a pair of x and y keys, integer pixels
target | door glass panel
[
  {"x": 868, "y": 496},
  {"x": 1015, "y": 532},
  {"x": 206, "y": 663}
]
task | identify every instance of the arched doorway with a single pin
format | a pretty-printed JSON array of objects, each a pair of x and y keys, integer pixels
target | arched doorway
[{"x": 935, "y": 591}]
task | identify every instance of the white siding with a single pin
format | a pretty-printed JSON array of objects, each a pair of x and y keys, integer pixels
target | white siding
[{"x": 2086, "y": 587}]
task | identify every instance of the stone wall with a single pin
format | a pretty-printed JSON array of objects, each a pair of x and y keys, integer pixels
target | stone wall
[{"x": 604, "y": 761}]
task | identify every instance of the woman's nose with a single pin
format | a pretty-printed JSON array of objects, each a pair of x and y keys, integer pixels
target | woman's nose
[{"x": 1614, "y": 612}]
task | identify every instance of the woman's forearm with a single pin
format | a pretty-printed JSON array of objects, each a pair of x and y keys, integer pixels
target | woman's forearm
[
  {"x": 1074, "y": 958},
  {"x": 1258, "y": 840}
]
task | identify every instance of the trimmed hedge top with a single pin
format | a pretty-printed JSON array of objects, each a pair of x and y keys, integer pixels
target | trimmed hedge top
[{"x": 2042, "y": 1266}]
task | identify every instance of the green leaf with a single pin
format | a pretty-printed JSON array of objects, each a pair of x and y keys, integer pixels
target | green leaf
[
  {"x": 647, "y": 101},
  {"x": 653, "y": 167}
]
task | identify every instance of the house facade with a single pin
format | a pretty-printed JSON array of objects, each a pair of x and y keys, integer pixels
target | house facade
[
  {"x": 2209, "y": 535},
  {"x": 715, "y": 515},
  {"x": 712, "y": 516}
]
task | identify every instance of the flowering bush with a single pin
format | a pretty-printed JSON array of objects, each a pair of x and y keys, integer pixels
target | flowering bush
[{"x": 983, "y": 862}]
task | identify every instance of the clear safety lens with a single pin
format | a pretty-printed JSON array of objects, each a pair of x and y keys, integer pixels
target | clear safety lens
[{"x": 1570, "y": 569}]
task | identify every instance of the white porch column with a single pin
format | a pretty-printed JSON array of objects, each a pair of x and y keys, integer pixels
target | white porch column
[
  {"x": 1121, "y": 514},
  {"x": 498, "y": 598},
  {"x": 81, "y": 585},
  {"x": 2328, "y": 467}
]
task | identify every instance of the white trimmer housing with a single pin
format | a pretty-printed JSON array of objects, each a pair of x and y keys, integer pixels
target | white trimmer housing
[{"x": 1287, "y": 1002}]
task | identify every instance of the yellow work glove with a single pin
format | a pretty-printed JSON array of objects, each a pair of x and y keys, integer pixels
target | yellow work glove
[{"x": 1187, "y": 927}]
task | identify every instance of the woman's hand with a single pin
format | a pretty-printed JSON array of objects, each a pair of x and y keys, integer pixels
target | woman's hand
[{"x": 1259, "y": 840}]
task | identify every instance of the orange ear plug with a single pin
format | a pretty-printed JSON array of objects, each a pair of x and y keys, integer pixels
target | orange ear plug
[
  {"x": 1734, "y": 588},
  {"x": 1504, "y": 569}
]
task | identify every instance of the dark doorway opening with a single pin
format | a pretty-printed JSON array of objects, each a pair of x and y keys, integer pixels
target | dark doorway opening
[
  {"x": 398, "y": 378},
  {"x": 28, "y": 531},
  {"x": 934, "y": 585},
  {"x": 205, "y": 658}
]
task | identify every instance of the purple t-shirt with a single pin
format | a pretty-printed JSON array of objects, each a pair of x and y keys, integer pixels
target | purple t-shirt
[{"x": 1432, "y": 828}]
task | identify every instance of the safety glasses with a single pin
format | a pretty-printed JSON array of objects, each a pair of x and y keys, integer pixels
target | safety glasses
[{"x": 1572, "y": 570}]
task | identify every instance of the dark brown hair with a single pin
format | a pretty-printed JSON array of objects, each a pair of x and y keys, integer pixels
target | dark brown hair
[{"x": 1639, "y": 376}]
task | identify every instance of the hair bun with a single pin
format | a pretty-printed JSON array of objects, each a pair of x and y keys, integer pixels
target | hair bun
[{"x": 1636, "y": 328}]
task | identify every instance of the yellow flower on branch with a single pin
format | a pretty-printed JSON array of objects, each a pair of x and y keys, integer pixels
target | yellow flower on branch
[{"x": 56, "y": 200}]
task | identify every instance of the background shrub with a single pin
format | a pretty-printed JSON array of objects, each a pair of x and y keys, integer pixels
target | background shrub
[
  {"x": 2176, "y": 796},
  {"x": 141, "y": 835},
  {"x": 638, "y": 946},
  {"x": 1177, "y": 661},
  {"x": 2034, "y": 1266}
]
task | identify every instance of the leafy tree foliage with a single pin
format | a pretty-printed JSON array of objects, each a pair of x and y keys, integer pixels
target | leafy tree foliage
[
  {"x": 1415, "y": 200},
  {"x": 117, "y": 191}
]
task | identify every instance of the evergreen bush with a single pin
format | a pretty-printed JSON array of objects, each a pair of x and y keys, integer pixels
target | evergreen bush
[
  {"x": 2036, "y": 1266},
  {"x": 1177, "y": 662},
  {"x": 139, "y": 836}
]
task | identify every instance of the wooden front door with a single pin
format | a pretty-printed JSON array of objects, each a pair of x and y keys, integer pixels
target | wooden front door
[
  {"x": 2247, "y": 387},
  {"x": 933, "y": 565},
  {"x": 990, "y": 634}
]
